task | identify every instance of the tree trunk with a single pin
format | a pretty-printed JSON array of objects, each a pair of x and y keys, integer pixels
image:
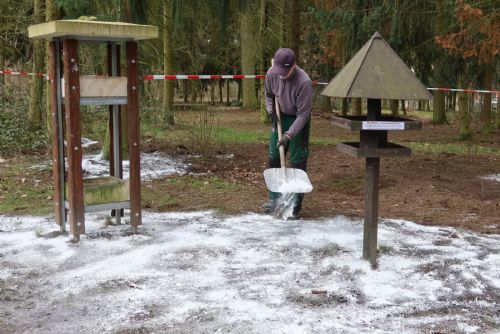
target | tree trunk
[
  {"x": 185, "y": 85},
  {"x": 497, "y": 123},
  {"x": 220, "y": 83},
  {"x": 356, "y": 104},
  {"x": 228, "y": 92},
  {"x": 2, "y": 68},
  {"x": 403, "y": 107},
  {"x": 36, "y": 114},
  {"x": 240, "y": 90},
  {"x": 486, "y": 106},
  {"x": 393, "y": 105},
  {"x": 439, "y": 112},
  {"x": 344, "y": 105},
  {"x": 50, "y": 15},
  {"x": 322, "y": 103},
  {"x": 212, "y": 93},
  {"x": 194, "y": 94},
  {"x": 440, "y": 28},
  {"x": 168, "y": 60},
  {"x": 263, "y": 62},
  {"x": 248, "y": 35},
  {"x": 284, "y": 24},
  {"x": 465, "y": 132},
  {"x": 294, "y": 36}
]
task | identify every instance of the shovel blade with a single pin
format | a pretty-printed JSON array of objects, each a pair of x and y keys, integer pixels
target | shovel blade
[{"x": 287, "y": 180}]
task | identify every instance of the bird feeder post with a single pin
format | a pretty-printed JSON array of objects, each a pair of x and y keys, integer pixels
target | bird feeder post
[
  {"x": 376, "y": 72},
  {"x": 372, "y": 139}
]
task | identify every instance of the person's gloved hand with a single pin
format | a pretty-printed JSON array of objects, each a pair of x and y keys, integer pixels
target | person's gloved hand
[{"x": 284, "y": 141}]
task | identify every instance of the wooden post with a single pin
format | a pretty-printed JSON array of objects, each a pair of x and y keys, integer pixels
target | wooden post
[
  {"x": 73, "y": 137},
  {"x": 110, "y": 119},
  {"x": 114, "y": 124},
  {"x": 370, "y": 228},
  {"x": 372, "y": 139},
  {"x": 57, "y": 133},
  {"x": 133, "y": 135}
]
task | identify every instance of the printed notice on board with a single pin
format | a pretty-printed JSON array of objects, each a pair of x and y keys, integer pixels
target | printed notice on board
[{"x": 377, "y": 125}]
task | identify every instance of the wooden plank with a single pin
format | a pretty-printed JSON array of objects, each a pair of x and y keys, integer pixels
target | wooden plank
[
  {"x": 56, "y": 142},
  {"x": 349, "y": 148},
  {"x": 344, "y": 122},
  {"x": 93, "y": 30},
  {"x": 97, "y": 86},
  {"x": 73, "y": 137},
  {"x": 391, "y": 150},
  {"x": 370, "y": 228},
  {"x": 133, "y": 134}
]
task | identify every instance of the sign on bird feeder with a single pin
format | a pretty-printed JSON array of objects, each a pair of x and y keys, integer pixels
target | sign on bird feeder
[
  {"x": 74, "y": 195},
  {"x": 376, "y": 72}
]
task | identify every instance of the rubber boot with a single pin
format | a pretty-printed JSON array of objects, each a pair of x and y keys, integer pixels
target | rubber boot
[
  {"x": 297, "y": 206},
  {"x": 270, "y": 206}
]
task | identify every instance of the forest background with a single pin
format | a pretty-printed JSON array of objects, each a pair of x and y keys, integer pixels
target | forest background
[{"x": 447, "y": 43}]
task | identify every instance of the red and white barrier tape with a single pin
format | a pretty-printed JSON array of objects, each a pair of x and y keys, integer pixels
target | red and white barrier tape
[
  {"x": 201, "y": 76},
  {"x": 466, "y": 90},
  {"x": 25, "y": 74},
  {"x": 151, "y": 77}
]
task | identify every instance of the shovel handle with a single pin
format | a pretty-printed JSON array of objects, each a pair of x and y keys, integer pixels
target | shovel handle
[{"x": 280, "y": 133}]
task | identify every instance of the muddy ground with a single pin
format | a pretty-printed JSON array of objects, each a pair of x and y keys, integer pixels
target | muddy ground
[{"x": 429, "y": 188}]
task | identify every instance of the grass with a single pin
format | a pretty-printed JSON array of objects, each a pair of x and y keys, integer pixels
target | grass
[
  {"x": 229, "y": 135},
  {"x": 25, "y": 190},
  {"x": 207, "y": 184},
  {"x": 459, "y": 149},
  {"x": 347, "y": 182},
  {"x": 193, "y": 191}
]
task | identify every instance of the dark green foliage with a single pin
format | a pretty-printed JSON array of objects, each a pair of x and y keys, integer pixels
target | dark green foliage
[
  {"x": 73, "y": 9},
  {"x": 15, "y": 134}
]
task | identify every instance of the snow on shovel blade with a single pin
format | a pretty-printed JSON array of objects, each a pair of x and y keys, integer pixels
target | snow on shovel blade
[{"x": 287, "y": 180}]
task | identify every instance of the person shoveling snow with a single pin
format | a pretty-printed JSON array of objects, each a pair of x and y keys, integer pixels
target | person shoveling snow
[{"x": 289, "y": 89}]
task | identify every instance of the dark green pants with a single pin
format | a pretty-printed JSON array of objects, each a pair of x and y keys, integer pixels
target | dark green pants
[{"x": 298, "y": 148}]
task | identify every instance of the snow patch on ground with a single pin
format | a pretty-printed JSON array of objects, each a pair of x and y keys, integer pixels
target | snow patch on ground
[
  {"x": 153, "y": 165},
  {"x": 86, "y": 142},
  {"x": 199, "y": 272},
  {"x": 492, "y": 177}
]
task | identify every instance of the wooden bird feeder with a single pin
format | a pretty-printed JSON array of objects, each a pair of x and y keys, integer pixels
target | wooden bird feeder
[
  {"x": 376, "y": 72},
  {"x": 74, "y": 195}
]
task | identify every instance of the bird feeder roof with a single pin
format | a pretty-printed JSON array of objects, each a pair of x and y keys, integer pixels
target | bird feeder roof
[
  {"x": 377, "y": 72},
  {"x": 92, "y": 31}
]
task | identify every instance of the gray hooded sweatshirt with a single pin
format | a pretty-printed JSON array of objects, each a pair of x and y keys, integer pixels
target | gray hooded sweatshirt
[{"x": 295, "y": 97}]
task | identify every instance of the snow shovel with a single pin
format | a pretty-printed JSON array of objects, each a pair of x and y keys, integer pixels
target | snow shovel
[{"x": 286, "y": 180}]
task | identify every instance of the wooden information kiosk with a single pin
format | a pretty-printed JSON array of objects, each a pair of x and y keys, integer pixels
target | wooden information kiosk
[{"x": 74, "y": 195}]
